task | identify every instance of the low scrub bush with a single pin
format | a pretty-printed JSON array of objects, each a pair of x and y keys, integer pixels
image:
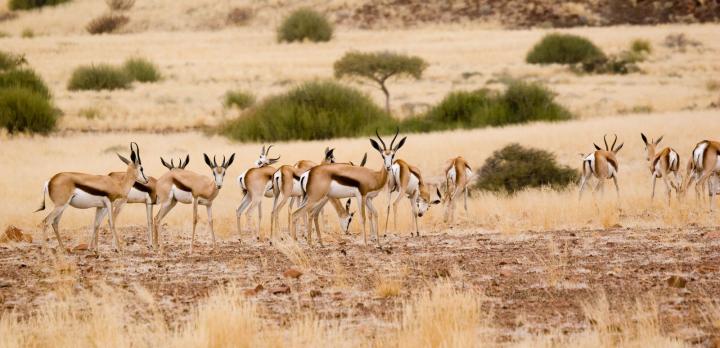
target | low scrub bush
[
  {"x": 24, "y": 110},
  {"x": 142, "y": 70},
  {"x": 641, "y": 46},
  {"x": 24, "y": 78},
  {"x": 563, "y": 49},
  {"x": 314, "y": 110},
  {"x": 107, "y": 23},
  {"x": 27, "y": 33},
  {"x": 99, "y": 77},
  {"x": 238, "y": 99},
  {"x": 514, "y": 168},
  {"x": 239, "y": 16},
  {"x": 31, "y": 4},
  {"x": 11, "y": 61},
  {"x": 305, "y": 24},
  {"x": 120, "y": 5}
]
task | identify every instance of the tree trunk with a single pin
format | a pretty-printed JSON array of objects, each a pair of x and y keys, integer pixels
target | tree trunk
[{"x": 387, "y": 97}]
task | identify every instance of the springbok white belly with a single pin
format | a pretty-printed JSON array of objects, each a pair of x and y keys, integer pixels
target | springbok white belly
[
  {"x": 241, "y": 180},
  {"x": 412, "y": 184},
  {"x": 181, "y": 196},
  {"x": 137, "y": 196},
  {"x": 338, "y": 190},
  {"x": 297, "y": 191},
  {"x": 84, "y": 200}
]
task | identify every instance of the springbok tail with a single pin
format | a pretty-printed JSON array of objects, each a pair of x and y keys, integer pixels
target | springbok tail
[
  {"x": 44, "y": 192},
  {"x": 276, "y": 184}
]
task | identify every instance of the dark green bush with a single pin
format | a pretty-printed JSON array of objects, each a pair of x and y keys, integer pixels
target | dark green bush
[
  {"x": 142, "y": 70},
  {"x": 314, "y": 110},
  {"x": 305, "y": 24},
  {"x": 11, "y": 61},
  {"x": 24, "y": 78},
  {"x": 99, "y": 77},
  {"x": 30, "y": 4},
  {"x": 238, "y": 99},
  {"x": 527, "y": 102},
  {"x": 514, "y": 168},
  {"x": 563, "y": 49},
  {"x": 23, "y": 110}
]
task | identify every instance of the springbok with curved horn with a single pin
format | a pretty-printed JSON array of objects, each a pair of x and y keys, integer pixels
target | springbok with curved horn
[
  {"x": 602, "y": 164},
  {"x": 337, "y": 180},
  {"x": 407, "y": 181},
  {"x": 184, "y": 186},
  {"x": 84, "y": 191},
  {"x": 704, "y": 166},
  {"x": 256, "y": 183},
  {"x": 458, "y": 175},
  {"x": 662, "y": 165}
]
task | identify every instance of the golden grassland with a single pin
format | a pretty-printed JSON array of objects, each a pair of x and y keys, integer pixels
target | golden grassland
[{"x": 35, "y": 159}]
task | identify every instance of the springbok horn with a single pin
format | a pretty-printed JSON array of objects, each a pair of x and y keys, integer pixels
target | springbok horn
[
  {"x": 381, "y": 141},
  {"x": 172, "y": 163},
  {"x": 223, "y": 165},
  {"x": 268, "y": 150},
  {"x": 612, "y": 148},
  {"x": 605, "y": 140},
  {"x": 214, "y": 161},
  {"x": 275, "y": 159},
  {"x": 397, "y": 131},
  {"x": 262, "y": 152}
]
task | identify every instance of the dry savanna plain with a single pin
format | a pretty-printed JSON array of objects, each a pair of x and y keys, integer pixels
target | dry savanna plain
[{"x": 539, "y": 268}]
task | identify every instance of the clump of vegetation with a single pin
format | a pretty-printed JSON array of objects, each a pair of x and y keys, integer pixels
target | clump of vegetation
[
  {"x": 99, "y": 77},
  {"x": 11, "y": 61},
  {"x": 107, "y": 23},
  {"x": 31, "y": 4},
  {"x": 142, "y": 70},
  {"x": 514, "y": 168},
  {"x": 238, "y": 99},
  {"x": 26, "y": 79},
  {"x": 89, "y": 113},
  {"x": 563, "y": 49},
  {"x": 239, "y": 16},
  {"x": 379, "y": 67},
  {"x": 24, "y": 110},
  {"x": 311, "y": 111},
  {"x": 520, "y": 103},
  {"x": 120, "y": 5},
  {"x": 27, "y": 33},
  {"x": 680, "y": 42},
  {"x": 305, "y": 24},
  {"x": 641, "y": 46}
]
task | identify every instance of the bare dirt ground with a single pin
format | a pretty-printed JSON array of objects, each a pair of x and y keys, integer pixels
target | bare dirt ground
[{"x": 535, "y": 282}]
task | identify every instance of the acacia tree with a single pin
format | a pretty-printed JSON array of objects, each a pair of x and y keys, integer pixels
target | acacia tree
[{"x": 379, "y": 67}]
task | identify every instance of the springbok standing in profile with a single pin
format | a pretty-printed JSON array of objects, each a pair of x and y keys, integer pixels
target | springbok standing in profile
[
  {"x": 662, "y": 164},
  {"x": 256, "y": 183},
  {"x": 84, "y": 191},
  {"x": 338, "y": 180},
  {"x": 602, "y": 164},
  {"x": 704, "y": 167},
  {"x": 458, "y": 176},
  {"x": 184, "y": 186},
  {"x": 407, "y": 181}
]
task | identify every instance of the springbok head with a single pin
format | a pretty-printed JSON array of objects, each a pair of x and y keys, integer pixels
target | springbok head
[
  {"x": 426, "y": 198},
  {"x": 388, "y": 153},
  {"x": 218, "y": 171},
  {"x": 612, "y": 148},
  {"x": 650, "y": 146},
  {"x": 263, "y": 160},
  {"x": 346, "y": 219},
  {"x": 181, "y": 164},
  {"x": 329, "y": 155},
  {"x": 135, "y": 163}
]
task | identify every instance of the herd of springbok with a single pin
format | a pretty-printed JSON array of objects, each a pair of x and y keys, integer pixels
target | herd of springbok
[{"x": 314, "y": 185}]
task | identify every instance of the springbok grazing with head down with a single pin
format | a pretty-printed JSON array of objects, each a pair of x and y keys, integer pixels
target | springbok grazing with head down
[
  {"x": 662, "y": 164},
  {"x": 184, "y": 186},
  {"x": 458, "y": 175},
  {"x": 603, "y": 164},
  {"x": 142, "y": 194},
  {"x": 84, "y": 191},
  {"x": 338, "y": 180},
  {"x": 704, "y": 167},
  {"x": 408, "y": 182},
  {"x": 256, "y": 183}
]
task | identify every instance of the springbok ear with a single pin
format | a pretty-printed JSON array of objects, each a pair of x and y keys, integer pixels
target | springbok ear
[
  {"x": 659, "y": 139},
  {"x": 262, "y": 152},
  {"x": 230, "y": 161},
  {"x": 133, "y": 157},
  {"x": 364, "y": 160},
  {"x": 329, "y": 153},
  {"x": 187, "y": 160},
  {"x": 597, "y": 147},
  {"x": 165, "y": 164},
  {"x": 273, "y": 160},
  {"x": 208, "y": 161},
  {"x": 400, "y": 144},
  {"x": 125, "y": 160},
  {"x": 618, "y": 148},
  {"x": 438, "y": 193},
  {"x": 644, "y": 138},
  {"x": 375, "y": 145}
]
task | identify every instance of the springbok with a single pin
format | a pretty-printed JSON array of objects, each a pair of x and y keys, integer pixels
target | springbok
[
  {"x": 662, "y": 164},
  {"x": 705, "y": 164},
  {"x": 256, "y": 183},
  {"x": 458, "y": 175},
  {"x": 84, "y": 191},
  {"x": 408, "y": 182},
  {"x": 337, "y": 180},
  {"x": 603, "y": 164},
  {"x": 184, "y": 186},
  {"x": 142, "y": 193}
]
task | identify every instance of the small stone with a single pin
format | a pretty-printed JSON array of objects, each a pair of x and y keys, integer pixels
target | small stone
[
  {"x": 677, "y": 282},
  {"x": 315, "y": 293},
  {"x": 280, "y": 290},
  {"x": 80, "y": 247},
  {"x": 292, "y": 273}
]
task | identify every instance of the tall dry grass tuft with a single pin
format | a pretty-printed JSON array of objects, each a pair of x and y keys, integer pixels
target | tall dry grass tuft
[{"x": 294, "y": 252}]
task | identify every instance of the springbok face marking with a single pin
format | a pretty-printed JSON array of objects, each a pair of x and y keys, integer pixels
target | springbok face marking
[
  {"x": 218, "y": 171},
  {"x": 424, "y": 201},
  {"x": 388, "y": 154},
  {"x": 345, "y": 221},
  {"x": 263, "y": 159},
  {"x": 135, "y": 163}
]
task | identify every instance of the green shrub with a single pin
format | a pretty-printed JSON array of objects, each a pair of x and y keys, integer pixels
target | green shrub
[
  {"x": 623, "y": 63},
  {"x": 30, "y": 4},
  {"x": 99, "y": 77},
  {"x": 27, "y": 33},
  {"x": 142, "y": 70},
  {"x": 527, "y": 102},
  {"x": 23, "y": 110},
  {"x": 314, "y": 110},
  {"x": 563, "y": 49},
  {"x": 514, "y": 168},
  {"x": 24, "y": 78},
  {"x": 238, "y": 99},
  {"x": 641, "y": 46},
  {"x": 305, "y": 24},
  {"x": 11, "y": 61},
  {"x": 107, "y": 23}
]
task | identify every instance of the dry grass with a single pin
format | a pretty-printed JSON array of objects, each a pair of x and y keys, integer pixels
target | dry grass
[{"x": 387, "y": 287}]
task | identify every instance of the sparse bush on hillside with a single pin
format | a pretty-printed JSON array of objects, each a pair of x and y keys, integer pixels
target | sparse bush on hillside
[
  {"x": 379, "y": 67},
  {"x": 514, "y": 168},
  {"x": 305, "y": 24},
  {"x": 680, "y": 42},
  {"x": 142, "y": 70},
  {"x": 24, "y": 78},
  {"x": 641, "y": 46},
  {"x": 239, "y": 16},
  {"x": 31, "y": 4},
  {"x": 563, "y": 49},
  {"x": 120, "y": 5},
  {"x": 311, "y": 111},
  {"x": 107, "y": 23},
  {"x": 99, "y": 77},
  {"x": 238, "y": 99},
  {"x": 23, "y": 110},
  {"x": 11, "y": 61}
]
